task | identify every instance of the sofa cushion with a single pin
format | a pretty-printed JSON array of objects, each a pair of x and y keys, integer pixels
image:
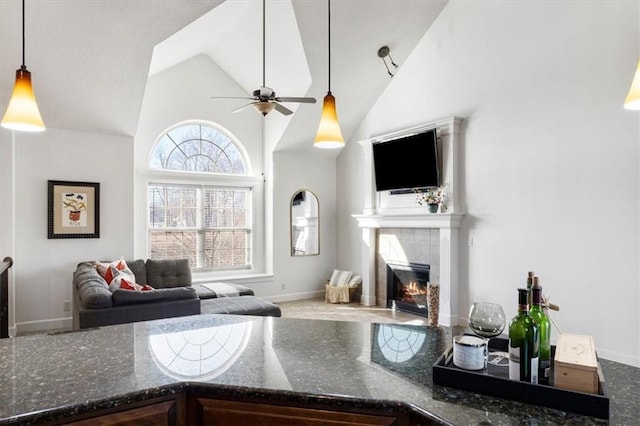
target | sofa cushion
[
  {"x": 91, "y": 287},
  {"x": 139, "y": 269},
  {"x": 243, "y": 305},
  {"x": 211, "y": 291},
  {"x": 168, "y": 273},
  {"x": 128, "y": 297}
]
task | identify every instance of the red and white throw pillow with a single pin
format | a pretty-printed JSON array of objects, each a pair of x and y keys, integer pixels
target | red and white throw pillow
[
  {"x": 105, "y": 271},
  {"x": 125, "y": 280}
]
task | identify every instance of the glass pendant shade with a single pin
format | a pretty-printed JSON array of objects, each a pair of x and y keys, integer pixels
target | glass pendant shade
[
  {"x": 329, "y": 134},
  {"x": 22, "y": 113},
  {"x": 633, "y": 97},
  {"x": 264, "y": 107}
]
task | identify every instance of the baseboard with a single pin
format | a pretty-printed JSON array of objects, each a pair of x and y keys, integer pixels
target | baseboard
[
  {"x": 44, "y": 325},
  {"x": 368, "y": 300},
  {"x": 292, "y": 297},
  {"x": 617, "y": 357}
]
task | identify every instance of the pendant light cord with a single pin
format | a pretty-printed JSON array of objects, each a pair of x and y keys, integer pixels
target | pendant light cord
[
  {"x": 23, "y": 61},
  {"x": 329, "y": 39}
]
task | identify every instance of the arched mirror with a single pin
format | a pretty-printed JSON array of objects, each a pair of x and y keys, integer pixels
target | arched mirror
[{"x": 305, "y": 224}]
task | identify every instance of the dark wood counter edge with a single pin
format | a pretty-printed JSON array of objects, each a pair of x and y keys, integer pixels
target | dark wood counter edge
[{"x": 227, "y": 392}]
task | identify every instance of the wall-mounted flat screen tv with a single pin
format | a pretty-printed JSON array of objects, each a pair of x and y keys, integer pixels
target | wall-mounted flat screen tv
[{"x": 407, "y": 162}]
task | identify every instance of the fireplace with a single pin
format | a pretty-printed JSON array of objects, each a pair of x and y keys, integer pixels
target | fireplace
[{"x": 407, "y": 287}]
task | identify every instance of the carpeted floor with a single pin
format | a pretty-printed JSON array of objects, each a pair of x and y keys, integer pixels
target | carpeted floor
[{"x": 318, "y": 309}]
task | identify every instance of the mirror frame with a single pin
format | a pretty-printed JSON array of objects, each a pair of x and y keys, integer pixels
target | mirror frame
[{"x": 291, "y": 237}]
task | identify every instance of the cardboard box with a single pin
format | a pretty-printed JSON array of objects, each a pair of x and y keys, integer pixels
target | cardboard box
[{"x": 575, "y": 363}]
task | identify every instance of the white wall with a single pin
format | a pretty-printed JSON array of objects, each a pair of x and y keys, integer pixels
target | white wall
[
  {"x": 43, "y": 268},
  {"x": 303, "y": 276},
  {"x": 549, "y": 158},
  {"x": 184, "y": 93}
]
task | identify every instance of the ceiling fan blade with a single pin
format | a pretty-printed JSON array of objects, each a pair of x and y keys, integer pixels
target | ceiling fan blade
[
  {"x": 294, "y": 99},
  {"x": 232, "y": 97},
  {"x": 282, "y": 110},
  {"x": 243, "y": 107}
]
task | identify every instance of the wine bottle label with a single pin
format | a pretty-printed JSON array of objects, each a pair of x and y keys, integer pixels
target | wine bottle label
[
  {"x": 514, "y": 363},
  {"x": 534, "y": 370},
  {"x": 545, "y": 369},
  {"x": 545, "y": 372}
]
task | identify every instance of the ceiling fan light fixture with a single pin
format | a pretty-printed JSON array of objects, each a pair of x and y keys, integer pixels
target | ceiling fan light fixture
[
  {"x": 22, "y": 113},
  {"x": 329, "y": 135},
  {"x": 633, "y": 97},
  {"x": 264, "y": 108}
]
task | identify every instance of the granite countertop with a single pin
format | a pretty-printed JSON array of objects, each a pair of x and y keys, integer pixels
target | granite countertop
[{"x": 46, "y": 375}]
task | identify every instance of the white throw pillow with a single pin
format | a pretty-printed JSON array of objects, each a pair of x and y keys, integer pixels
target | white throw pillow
[
  {"x": 340, "y": 277},
  {"x": 355, "y": 280}
]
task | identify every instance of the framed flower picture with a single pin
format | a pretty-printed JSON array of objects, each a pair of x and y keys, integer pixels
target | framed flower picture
[{"x": 74, "y": 209}]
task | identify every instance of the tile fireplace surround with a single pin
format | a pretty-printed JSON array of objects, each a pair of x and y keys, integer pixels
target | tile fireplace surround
[{"x": 382, "y": 211}]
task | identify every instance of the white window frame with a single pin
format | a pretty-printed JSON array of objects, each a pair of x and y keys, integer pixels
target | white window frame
[{"x": 151, "y": 176}]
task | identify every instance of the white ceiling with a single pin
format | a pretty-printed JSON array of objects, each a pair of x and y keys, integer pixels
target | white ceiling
[{"x": 90, "y": 59}]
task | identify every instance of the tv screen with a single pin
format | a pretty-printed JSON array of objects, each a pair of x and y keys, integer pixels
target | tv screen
[{"x": 407, "y": 162}]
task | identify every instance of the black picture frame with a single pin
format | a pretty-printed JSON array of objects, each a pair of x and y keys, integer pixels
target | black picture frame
[{"x": 73, "y": 209}]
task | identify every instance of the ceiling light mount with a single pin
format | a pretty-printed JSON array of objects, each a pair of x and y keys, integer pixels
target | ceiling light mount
[
  {"x": 265, "y": 99},
  {"x": 383, "y": 53}
]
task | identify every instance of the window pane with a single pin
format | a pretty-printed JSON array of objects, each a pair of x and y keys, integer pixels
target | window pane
[
  {"x": 197, "y": 148},
  {"x": 172, "y": 206},
  {"x": 226, "y": 249},
  {"x": 174, "y": 245},
  {"x": 226, "y": 207}
]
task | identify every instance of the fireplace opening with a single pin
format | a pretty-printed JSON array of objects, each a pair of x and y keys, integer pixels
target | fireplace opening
[{"x": 407, "y": 287}]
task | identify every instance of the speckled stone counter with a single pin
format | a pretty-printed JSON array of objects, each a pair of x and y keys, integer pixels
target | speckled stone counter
[{"x": 43, "y": 377}]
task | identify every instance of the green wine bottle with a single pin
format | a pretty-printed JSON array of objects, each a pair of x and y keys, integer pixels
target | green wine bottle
[
  {"x": 544, "y": 328},
  {"x": 524, "y": 343}
]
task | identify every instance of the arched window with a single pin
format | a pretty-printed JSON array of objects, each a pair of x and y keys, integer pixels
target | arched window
[
  {"x": 197, "y": 148},
  {"x": 199, "y": 206}
]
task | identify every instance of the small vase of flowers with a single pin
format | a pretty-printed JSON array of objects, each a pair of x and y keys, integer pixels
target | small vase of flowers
[{"x": 433, "y": 198}]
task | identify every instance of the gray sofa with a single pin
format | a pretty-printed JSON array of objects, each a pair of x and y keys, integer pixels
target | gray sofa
[
  {"x": 173, "y": 295},
  {"x": 94, "y": 305}
]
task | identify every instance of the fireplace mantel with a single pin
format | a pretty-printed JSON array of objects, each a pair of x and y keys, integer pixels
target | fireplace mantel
[
  {"x": 386, "y": 210},
  {"x": 409, "y": 220},
  {"x": 448, "y": 225}
]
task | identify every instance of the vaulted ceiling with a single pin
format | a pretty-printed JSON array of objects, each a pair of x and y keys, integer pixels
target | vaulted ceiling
[{"x": 90, "y": 60}]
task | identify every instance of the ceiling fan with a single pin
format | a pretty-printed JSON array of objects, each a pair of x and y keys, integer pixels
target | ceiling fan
[{"x": 265, "y": 99}]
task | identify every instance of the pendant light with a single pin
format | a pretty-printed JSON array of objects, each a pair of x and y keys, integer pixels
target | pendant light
[
  {"x": 633, "y": 97},
  {"x": 22, "y": 113},
  {"x": 329, "y": 134}
]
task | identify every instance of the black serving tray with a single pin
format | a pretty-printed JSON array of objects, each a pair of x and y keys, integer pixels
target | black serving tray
[{"x": 495, "y": 382}]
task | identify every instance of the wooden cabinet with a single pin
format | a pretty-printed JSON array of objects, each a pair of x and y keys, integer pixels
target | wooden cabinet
[
  {"x": 217, "y": 412},
  {"x": 162, "y": 414},
  {"x": 204, "y": 406}
]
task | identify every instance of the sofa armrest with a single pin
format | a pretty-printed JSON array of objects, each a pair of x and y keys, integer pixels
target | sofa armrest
[{"x": 91, "y": 288}]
